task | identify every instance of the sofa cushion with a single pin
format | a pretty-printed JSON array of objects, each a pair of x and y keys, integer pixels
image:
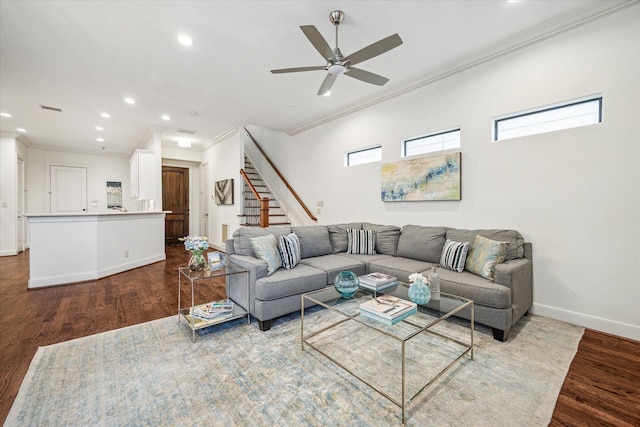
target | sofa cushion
[
  {"x": 333, "y": 264},
  {"x": 386, "y": 237},
  {"x": 266, "y": 248},
  {"x": 338, "y": 235},
  {"x": 283, "y": 283},
  {"x": 289, "y": 247},
  {"x": 365, "y": 259},
  {"x": 484, "y": 255},
  {"x": 472, "y": 286},
  {"x": 242, "y": 237},
  {"x": 362, "y": 242},
  {"x": 399, "y": 267},
  {"x": 515, "y": 239},
  {"x": 454, "y": 255},
  {"x": 421, "y": 243},
  {"x": 314, "y": 240}
]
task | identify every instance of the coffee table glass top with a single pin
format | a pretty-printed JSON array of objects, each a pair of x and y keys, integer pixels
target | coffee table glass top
[{"x": 432, "y": 312}]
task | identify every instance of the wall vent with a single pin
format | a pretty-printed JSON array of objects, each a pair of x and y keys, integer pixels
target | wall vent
[
  {"x": 45, "y": 107},
  {"x": 187, "y": 131}
]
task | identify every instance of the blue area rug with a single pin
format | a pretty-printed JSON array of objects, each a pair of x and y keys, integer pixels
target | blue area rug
[{"x": 235, "y": 375}]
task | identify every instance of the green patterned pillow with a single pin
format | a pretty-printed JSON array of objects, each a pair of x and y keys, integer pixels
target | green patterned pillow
[
  {"x": 484, "y": 254},
  {"x": 266, "y": 248}
]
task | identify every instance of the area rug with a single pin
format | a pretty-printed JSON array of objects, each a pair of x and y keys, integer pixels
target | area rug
[{"x": 235, "y": 375}]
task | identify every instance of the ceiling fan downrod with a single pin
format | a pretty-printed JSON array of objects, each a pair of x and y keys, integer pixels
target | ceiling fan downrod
[{"x": 336, "y": 17}]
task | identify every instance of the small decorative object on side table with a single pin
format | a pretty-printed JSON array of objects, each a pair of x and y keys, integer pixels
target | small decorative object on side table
[
  {"x": 197, "y": 245},
  {"x": 419, "y": 292},
  {"x": 347, "y": 283}
]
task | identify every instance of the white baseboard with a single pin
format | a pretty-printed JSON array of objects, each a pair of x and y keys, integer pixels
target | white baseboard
[
  {"x": 10, "y": 252},
  {"x": 587, "y": 321}
]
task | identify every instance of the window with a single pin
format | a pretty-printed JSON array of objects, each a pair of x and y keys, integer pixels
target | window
[
  {"x": 439, "y": 141},
  {"x": 580, "y": 112},
  {"x": 362, "y": 156}
]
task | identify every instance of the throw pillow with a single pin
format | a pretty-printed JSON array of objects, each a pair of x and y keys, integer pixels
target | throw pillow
[
  {"x": 361, "y": 242},
  {"x": 266, "y": 248},
  {"x": 289, "y": 246},
  {"x": 454, "y": 255},
  {"x": 484, "y": 255}
]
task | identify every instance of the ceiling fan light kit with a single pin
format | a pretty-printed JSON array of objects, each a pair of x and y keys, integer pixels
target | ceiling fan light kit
[{"x": 337, "y": 63}]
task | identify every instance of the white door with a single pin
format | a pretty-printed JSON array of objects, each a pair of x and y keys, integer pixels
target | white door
[
  {"x": 22, "y": 194},
  {"x": 204, "y": 199},
  {"x": 68, "y": 189}
]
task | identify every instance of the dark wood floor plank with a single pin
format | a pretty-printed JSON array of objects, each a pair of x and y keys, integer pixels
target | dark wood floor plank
[{"x": 601, "y": 388}]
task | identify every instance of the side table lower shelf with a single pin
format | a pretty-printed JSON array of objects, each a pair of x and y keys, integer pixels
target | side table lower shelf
[{"x": 196, "y": 323}]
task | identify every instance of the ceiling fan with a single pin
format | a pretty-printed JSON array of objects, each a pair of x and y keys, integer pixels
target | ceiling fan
[{"x": 337, "y": 63}]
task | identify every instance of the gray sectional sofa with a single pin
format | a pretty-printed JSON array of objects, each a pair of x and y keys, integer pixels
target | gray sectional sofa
[{"x": 499, "y": 303}]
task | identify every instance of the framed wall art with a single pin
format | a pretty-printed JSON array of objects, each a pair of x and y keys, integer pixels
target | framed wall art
[
  {"x": 425, "y": 178},
  {"x": 223, "y": 192}
]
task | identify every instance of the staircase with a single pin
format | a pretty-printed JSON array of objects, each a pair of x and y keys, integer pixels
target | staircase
[{"x": 251, "y": 209}]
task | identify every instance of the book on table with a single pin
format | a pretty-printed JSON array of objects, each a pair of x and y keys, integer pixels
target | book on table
[
  {"x": 214, "y": 310},
  {"x": 378, "y": 288},
  {"x": 377, "y": 279},
  {"x": 388, "y": 307},
  {"x": 386, "y": 321}
]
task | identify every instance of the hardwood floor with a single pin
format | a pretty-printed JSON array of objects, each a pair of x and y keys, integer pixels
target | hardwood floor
[{"x": 601, "y": 388}]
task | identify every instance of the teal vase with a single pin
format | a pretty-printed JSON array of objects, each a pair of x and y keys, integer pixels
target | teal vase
[
  {"x": 347, "y": 283},
  {"x": 419, "y": 292}
]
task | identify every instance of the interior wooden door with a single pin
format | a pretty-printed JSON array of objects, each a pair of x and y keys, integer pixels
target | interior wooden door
[{"x": 175, "y": 198}]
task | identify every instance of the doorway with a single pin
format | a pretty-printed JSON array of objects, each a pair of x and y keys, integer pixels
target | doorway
[
  {"x": 175, "y": 198},
  {"x": 68, "y": 189}
]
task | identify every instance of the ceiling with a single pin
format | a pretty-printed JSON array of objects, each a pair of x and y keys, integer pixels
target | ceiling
[{"x": 85, "y": 57}]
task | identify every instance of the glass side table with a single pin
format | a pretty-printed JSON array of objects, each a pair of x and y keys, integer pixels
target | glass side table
[{"x": 194, "y": 277}]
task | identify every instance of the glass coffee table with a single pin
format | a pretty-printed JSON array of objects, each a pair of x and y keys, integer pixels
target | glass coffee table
[{"x": 398, "y": 361}]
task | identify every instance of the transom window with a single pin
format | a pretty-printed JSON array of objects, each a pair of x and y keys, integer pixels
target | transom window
[
  {"x": 363, "y": 155},
  {"x": 570, "y": 114},
  {"x": 437, "y": 141}
]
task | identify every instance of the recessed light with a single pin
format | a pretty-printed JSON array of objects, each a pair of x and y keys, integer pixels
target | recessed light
[
  {"x": 130, "y": 100},
  {"x": 165, "y": 117},
  {"x": 185, "y": 40},
  {"x": 106, "y": 115},
  {"x": 99, "y": 128},
  {"x": 184, "y": 143},
  {"x": 100, "y": 139},
  {"x": 21, "y": 129},
  {"x": 5, "y": 115}
]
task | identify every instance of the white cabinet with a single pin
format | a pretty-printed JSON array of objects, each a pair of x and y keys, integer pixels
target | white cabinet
[{"x": 143, "y": 181}]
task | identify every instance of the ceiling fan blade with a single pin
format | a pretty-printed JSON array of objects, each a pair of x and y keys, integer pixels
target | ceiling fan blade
[
  {"x": 319, "y": 42},
  {"x": 374, "y": 49},
  {"x": 298, "y": 69},
  {"x": 327, "y": 84},
  {"x": 366, "y": 76}
]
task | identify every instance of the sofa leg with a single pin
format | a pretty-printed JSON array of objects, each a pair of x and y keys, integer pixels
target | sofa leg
[
  {"x": 526, "y": 313},
  {"x": 265, "y": 325},
  {"x": 499, "y": 335}
]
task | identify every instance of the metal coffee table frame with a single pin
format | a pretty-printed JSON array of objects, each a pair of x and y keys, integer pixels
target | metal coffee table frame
[{"x": 328, "y": 296}]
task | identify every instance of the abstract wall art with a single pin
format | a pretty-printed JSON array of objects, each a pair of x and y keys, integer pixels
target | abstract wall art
[
  {"x": 114, "y": 194},
  {"x": 224, "y": 192},
  {"x": 426, "y": 178}
]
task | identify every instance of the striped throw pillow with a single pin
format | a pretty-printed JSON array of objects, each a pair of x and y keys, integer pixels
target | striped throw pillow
[
  {"x": 361, "y": 242},
  {"x": 289, "y": 246},
  {"x": 454, "y": 255}
]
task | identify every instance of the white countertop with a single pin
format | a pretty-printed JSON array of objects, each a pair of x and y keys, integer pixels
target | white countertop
[{"x": 85, "y": 214}]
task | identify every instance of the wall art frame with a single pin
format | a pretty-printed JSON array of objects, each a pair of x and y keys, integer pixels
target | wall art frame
[
  {"x": 223, "y": 191},
  {"x": 436, "y": 177}
]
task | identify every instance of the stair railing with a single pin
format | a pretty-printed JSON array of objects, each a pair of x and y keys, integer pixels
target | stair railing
[
  {"x": 264, "y": 201},
  {"x": 284, "y": 180}
]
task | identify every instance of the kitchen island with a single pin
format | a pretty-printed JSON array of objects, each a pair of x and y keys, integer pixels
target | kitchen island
[{"x": 68, "y": 248}]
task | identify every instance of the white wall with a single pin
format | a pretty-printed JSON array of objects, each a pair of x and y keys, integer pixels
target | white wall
[
  {"x": 8, "y": 196},
  {"x": 100, "y": 169},
  {"x": 575, "y": 194},
  {"x": 224, "y": 161}
]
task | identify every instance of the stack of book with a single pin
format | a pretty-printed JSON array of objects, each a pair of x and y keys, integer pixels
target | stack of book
[
  {"x": 377, "y": 281},
  {"x": 388, "y": 309},
  {"x": 218, "y": 310}
]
